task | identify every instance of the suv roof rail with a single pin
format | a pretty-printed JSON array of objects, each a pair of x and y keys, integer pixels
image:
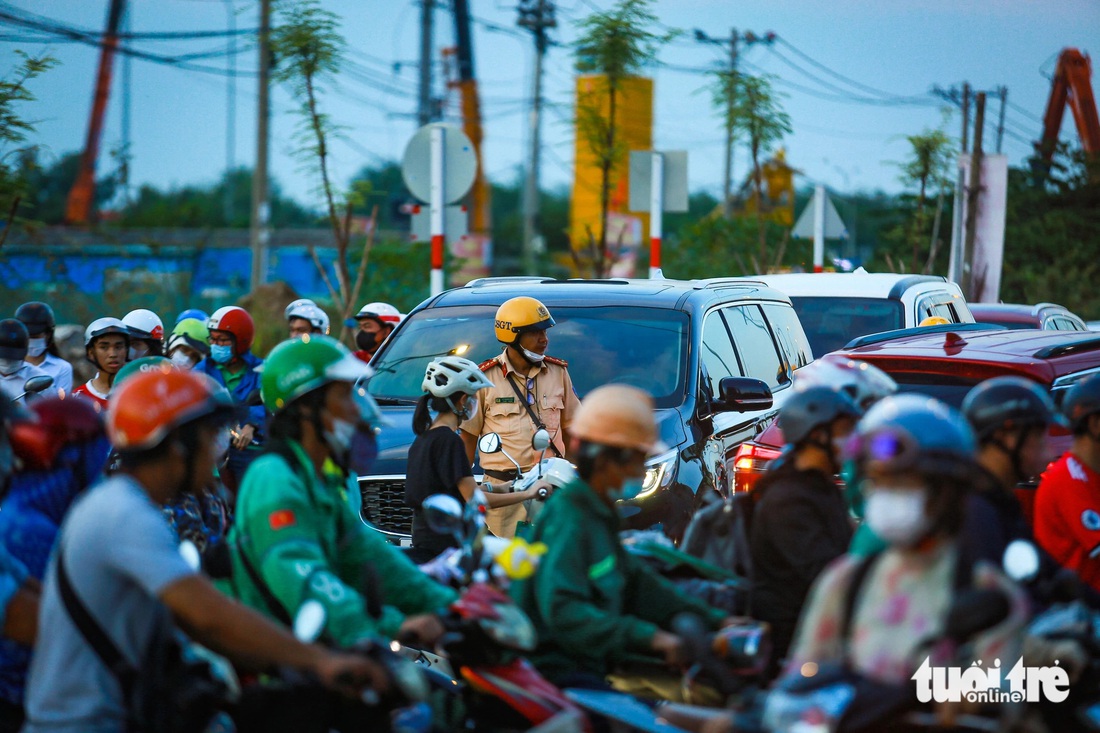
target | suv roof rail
[
  {"x": 508, "y": 279},
  {"x": 1038, "y": 307},
  {"x": 1085, "y": 344},
  {"x": 714, "y": 282},
  {"x": 878, "y": 338}
]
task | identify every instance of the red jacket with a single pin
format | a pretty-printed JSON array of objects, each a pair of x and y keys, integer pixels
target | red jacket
[{"x": 1067, "y": 517}]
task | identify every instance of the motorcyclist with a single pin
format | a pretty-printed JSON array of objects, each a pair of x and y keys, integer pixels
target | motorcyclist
[
  {"x": 233, "y": 365},
  {"x": 106, "y": 344},
  {"x": 41, "y": 350},
  {"x": 531, "y": 390},
  {"x": 1010, "y": 417},
  {"x": 62, "y": 451},
  {"x": 19, "y": 593},
  {"x": 437, "y": 458},
  {"x": 14, "y": 372},
  {"x": 916, "y": 458},
  {"x": 800, "y": 523},
  {"x": 122, "y": 563},
  {"x": 1067, "y": 502},
  {"x": 375, "y": 322},
  {"x": 189, "y": 343},
  {"x": 296, "y": 534},
  {"x": 146, "y": 333},
  {"x": 304, "y": 316},
  {"x": 593, "y": 603}
]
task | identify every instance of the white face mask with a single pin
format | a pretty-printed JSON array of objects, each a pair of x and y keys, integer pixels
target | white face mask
[
  {"x": 36, "y": 347},
  {"x": 182, "y": 360},
  {"x": 897, "y": 516},
  {"x": 532, "y": 356},
  {"x": 470, "y": 408},
  {"x": 339, "y": 439},
  {"x": 138, "y": 350},
  {"x": 10, "y": 366}
]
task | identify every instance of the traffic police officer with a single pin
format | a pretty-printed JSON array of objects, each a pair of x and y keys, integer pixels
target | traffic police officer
[{"x": 530, "y": 390}]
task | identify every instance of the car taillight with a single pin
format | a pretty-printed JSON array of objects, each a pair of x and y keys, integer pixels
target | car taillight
[{"x": 749, "y": 464}]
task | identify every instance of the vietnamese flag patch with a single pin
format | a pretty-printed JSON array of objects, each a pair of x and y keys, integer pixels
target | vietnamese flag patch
[{"x": 281, "y": 519}]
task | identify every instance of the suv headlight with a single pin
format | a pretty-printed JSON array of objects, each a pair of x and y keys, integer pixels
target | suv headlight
[{"x": 659, "y": 472}]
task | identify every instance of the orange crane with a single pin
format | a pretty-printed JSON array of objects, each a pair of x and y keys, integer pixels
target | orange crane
[
  {"x": 1071, "y": 85},
  {"x": 78, "y": 209}
]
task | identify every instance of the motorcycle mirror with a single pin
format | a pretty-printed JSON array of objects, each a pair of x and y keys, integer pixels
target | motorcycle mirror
[
  {"x": 974, "y": 611},
  {"x": 309, "y": 621},
  {"x": 1021, "y": 561},
  {"x": 191, "y": 555},
  {"x": 541, "y": 440},
  {"x": 444, "y": 515},
  {"x": 489, "y": 443},
  {"x": 34, "y": 385}
]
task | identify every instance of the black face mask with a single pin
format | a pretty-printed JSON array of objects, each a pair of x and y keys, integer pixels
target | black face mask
[{"x": 366, "y": 341}]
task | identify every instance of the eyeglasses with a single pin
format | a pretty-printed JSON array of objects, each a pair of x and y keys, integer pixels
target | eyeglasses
[{"x": 220, "y": 340}]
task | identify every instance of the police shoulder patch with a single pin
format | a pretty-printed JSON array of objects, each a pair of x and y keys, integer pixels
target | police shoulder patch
[
  {"x": 487, "y": 364},
  {"x": 556, "y": 360},
  {"x": 1090, "y": 519}
]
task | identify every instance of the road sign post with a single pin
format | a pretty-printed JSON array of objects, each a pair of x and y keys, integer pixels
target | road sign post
[
  {"x": 439, "y": 167},
  {"x": 658, "y": 183}
]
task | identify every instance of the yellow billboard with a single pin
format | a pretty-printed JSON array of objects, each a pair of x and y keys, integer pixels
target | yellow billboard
[{"x": 633, "y": 125}]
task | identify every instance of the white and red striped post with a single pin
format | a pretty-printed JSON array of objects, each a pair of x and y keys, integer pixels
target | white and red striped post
[
  {"x": 819, "y": 228},
  {"x": 656, "y": 207},
  {"x": 438, "y": 210}
]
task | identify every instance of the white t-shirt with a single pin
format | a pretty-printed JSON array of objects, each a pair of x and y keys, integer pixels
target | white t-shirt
[{"x": 120, "y": 554}]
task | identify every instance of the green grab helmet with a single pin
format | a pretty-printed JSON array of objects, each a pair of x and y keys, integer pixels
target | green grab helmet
[
  {"x": 144, "y": 364},
  {"x": 298, "y": 366},
  {"x": 193, "y": 328}
]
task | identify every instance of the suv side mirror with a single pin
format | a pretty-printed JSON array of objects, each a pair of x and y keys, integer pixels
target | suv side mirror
[{"x": 742, "y": 394}]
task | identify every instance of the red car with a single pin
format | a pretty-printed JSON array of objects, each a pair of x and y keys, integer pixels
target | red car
[
  {"x": 1048, "y": 316},
  {"x": 945, "y": 362}
]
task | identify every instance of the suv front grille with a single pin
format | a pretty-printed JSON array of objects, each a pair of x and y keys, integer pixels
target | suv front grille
[{"x": 384, "y": 504}]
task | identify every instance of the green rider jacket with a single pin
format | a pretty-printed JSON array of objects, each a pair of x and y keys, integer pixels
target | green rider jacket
[
  {"x": 591, "y": 601},
  {"x": 302, "y": 537}
]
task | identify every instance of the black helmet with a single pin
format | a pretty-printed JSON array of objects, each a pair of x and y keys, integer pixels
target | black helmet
[
  {"x": 13, "y": 339},
  {"x": 813, "y": 408},
  {"x": 1082, "y": 400},
  {"x": 1008, "y": 402},
  {"x": 37, "y": 317}
]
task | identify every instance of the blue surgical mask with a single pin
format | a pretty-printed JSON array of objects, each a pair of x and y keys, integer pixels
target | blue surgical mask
[
  {"x": 221, "y": 353},
  {"x": 630, "y": 488}
]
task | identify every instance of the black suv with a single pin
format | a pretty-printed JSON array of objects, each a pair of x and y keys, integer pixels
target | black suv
[{"x": 711, "y": 352}]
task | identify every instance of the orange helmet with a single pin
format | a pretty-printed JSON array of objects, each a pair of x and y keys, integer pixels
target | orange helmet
[
  {"x": 619, "y": 416},
  {"x": 152, "y": 404}
]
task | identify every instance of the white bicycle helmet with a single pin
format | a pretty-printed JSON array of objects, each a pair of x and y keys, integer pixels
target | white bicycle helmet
[
  {"x": 144, "y": 324},
  {"x": 102, "y": 327},
  {"x": 864, "y": 383},
  {"x": 450, "y": 375},
  {"x": 308, "y": 310}
]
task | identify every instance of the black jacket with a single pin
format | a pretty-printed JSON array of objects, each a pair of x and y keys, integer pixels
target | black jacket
[{"x": 799, "y": 526}]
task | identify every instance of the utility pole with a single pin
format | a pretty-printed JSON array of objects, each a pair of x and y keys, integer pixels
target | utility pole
[
  {"x": 536, "y": 16},
  {"x": 750, "y": 38},
  {"x": 230, "y": 113},
  {"x": 261, "y": 211},
  {"x": 965, "y": 115},
  {"x": 973, "y": 195},
  {"x": 127, "y": 88},
  {"x": 424, "y": 108},
  {"x": 1002, "y": 92}
]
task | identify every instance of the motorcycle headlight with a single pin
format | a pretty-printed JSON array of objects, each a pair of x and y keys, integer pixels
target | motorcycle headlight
[{"x": 659, "y": 473}]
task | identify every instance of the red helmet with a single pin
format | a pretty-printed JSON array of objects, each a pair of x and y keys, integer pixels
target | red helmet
[
  {"x": 235, "y": 320},
  {"x": 59, "y": 422},
  {"x": 152, "y": 404}
]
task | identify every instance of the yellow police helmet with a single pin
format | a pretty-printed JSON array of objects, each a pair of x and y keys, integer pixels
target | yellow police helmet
[
  {"x": 934, "y": 321},
  {"x": 518, "y": 315}
]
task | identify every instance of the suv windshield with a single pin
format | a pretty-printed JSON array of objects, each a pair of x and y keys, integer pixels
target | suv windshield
[
  {"x": 646, "y": 347},
  {"x": 832, "y": 322}
]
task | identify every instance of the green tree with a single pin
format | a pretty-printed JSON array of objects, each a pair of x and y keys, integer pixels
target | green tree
[
  {"x": 928, "y": 169},
  {"x": 310, "y": 52},
  {"x": 618, "y": 44},
  {"x": 752, "y": 112},
  {"x": 14, "y": 130}
]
